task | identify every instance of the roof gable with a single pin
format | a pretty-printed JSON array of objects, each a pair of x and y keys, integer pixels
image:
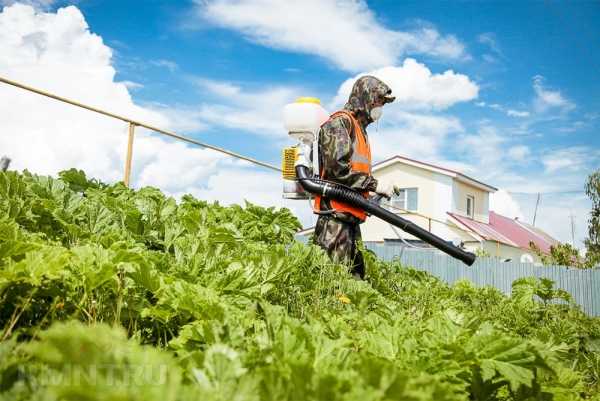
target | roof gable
[{"x": 436, "y": 169}]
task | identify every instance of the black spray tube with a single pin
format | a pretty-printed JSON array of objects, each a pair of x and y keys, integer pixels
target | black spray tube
[{"x": 340, "y": 193}]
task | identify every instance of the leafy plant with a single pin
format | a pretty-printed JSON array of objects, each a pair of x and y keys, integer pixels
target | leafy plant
[
  {"x": 108, "y": 293},
  {"x": 482, "y": 253},
  {"x": 592, "y": 243},
  {"x": 562, "y": 254}
]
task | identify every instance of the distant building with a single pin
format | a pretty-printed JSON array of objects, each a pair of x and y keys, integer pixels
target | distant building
[{"x": 454, "y": 207}]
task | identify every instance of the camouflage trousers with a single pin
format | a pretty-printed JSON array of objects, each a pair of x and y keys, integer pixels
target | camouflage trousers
[{"x": 339, "y": 238}]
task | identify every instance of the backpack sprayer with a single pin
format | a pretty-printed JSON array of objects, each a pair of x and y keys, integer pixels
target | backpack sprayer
[{"x": 303, "y": 120}]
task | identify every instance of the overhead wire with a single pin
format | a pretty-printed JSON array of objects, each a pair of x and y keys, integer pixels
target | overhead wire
[
  {"x": 575, "y": 191},
  {"x": 189, "y": 140},
  {"x": 137, "y": 123}
]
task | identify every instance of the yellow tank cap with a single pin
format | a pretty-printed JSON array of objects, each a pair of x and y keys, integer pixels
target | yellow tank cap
[{"x": 308, "y": 100}]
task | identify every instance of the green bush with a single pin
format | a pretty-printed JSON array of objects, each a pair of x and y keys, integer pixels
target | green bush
[{"x": 107, "y": 293}]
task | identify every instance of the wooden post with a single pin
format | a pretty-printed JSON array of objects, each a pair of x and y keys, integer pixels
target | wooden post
[{"x": 129, "y": 154}]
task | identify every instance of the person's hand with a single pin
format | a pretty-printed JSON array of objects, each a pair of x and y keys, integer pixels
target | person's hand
[{"x": 385, "y": 189}]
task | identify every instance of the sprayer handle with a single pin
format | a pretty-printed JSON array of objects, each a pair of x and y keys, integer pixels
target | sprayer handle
[{"x": 377, "y": 198}]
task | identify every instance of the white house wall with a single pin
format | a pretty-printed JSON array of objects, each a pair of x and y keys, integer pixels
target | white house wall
[
  {"x": 442, "y": 197},
  {"x": 460, "y": 192},
  {"x": 405, "y": 176},
  {"x": 435, "y": 199},
  {"x": 495, "y": 249},
  {"x": 486, "y": 208}
]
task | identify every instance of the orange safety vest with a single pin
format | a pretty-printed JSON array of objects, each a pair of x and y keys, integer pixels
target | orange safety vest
[{"x": 360, "y": 161}]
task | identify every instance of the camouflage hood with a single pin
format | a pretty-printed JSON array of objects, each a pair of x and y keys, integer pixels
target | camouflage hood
[{"x": 366, "y": 93}]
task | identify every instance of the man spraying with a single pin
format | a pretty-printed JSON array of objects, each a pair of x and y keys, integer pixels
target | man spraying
[{"x": 345, "y": 158}]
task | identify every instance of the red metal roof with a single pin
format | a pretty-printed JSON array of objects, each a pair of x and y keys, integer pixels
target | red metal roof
[
  {"x": 486, "y": 231},
  {"x": 508, "y": 231},
  {"x": 521, "y": 233}
]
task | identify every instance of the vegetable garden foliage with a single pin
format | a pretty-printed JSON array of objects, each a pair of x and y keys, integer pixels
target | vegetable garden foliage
[{"x": 107, "y": 293}]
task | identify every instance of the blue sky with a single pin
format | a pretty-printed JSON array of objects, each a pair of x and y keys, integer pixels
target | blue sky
[
  {"x": 505, "y": 91},
  {"x": 507, "y": 44}
]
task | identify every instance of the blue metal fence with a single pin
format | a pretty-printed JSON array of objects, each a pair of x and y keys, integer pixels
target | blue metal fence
[{"x": 583, "y": 285}]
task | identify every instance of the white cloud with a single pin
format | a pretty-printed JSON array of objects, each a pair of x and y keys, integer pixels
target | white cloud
[
  {"x": 547, "y": 99},
  {"x": 57, "y": 52},
  {"x": 173, "y": 166},
  {"x": 517, "y": 113},
  {"x": 257, "y": 111},
  {"x": 415, "y": 87},
  {"x": 502, "y": 203},
  {"x": 40, "y": 4},
  {"x": 220, "y": 88},
  {"x": 519, "y": 152},
  {"x": 418, "y": 136},
  {"x": 489, "y": 39},
  {"x": 345, "y": 32},
  {"x": 573, "y": 127},
  {"x": 574, "y": 158},
  {"x": 503, "y": 109},
  {"x": 483, "y": 149},
  {"x": 168, "y": 64},
  {"x": 553, "y": 163},
  {"x": 492, "y": 160},
  {"x": 410, "y": 126},
  {"x": 591, "y": 116},
  {"x": 487, "y": 155},
  {"x": 554, "y": 214},
  {"x": 182, "y": 118},
  {"x": 499, "y": 161},
  {"x": 562, "y": 183},
  {"x": 132, "y": 85}
]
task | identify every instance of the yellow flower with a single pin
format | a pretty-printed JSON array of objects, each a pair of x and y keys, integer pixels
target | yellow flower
[{"x": 344, "y": 299}]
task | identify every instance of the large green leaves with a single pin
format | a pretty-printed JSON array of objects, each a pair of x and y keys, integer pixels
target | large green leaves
[
  {"x": 99, "y": 363},
  {"x": 235, "y": 309}
]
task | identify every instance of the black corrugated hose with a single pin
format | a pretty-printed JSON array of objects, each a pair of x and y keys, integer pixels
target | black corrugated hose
[{"x": 343, "y": 194}]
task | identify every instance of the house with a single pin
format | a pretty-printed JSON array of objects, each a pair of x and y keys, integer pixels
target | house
[{"x": 453, "y": 206}]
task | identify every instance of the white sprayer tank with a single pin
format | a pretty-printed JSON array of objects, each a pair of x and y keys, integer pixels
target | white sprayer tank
[
  {"x": 304, "y": 117},
  {"x": 302, "y": 120}
]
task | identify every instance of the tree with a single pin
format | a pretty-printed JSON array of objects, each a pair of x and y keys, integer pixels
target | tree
[
  {"x": 592, "y": 243},
  {"x": 565, "y": 254},
  {"x": 561, "y": 254}
]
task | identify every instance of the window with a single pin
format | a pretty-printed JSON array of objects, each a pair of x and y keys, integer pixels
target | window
[
  {"x": 470, "y": 206},
  {"x": 407, "y": 198}
]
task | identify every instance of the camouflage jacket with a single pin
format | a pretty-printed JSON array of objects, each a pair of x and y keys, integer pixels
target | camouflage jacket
[
  {"x": 337, "y": 136},
  {"x": 335, "y": 152}
]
